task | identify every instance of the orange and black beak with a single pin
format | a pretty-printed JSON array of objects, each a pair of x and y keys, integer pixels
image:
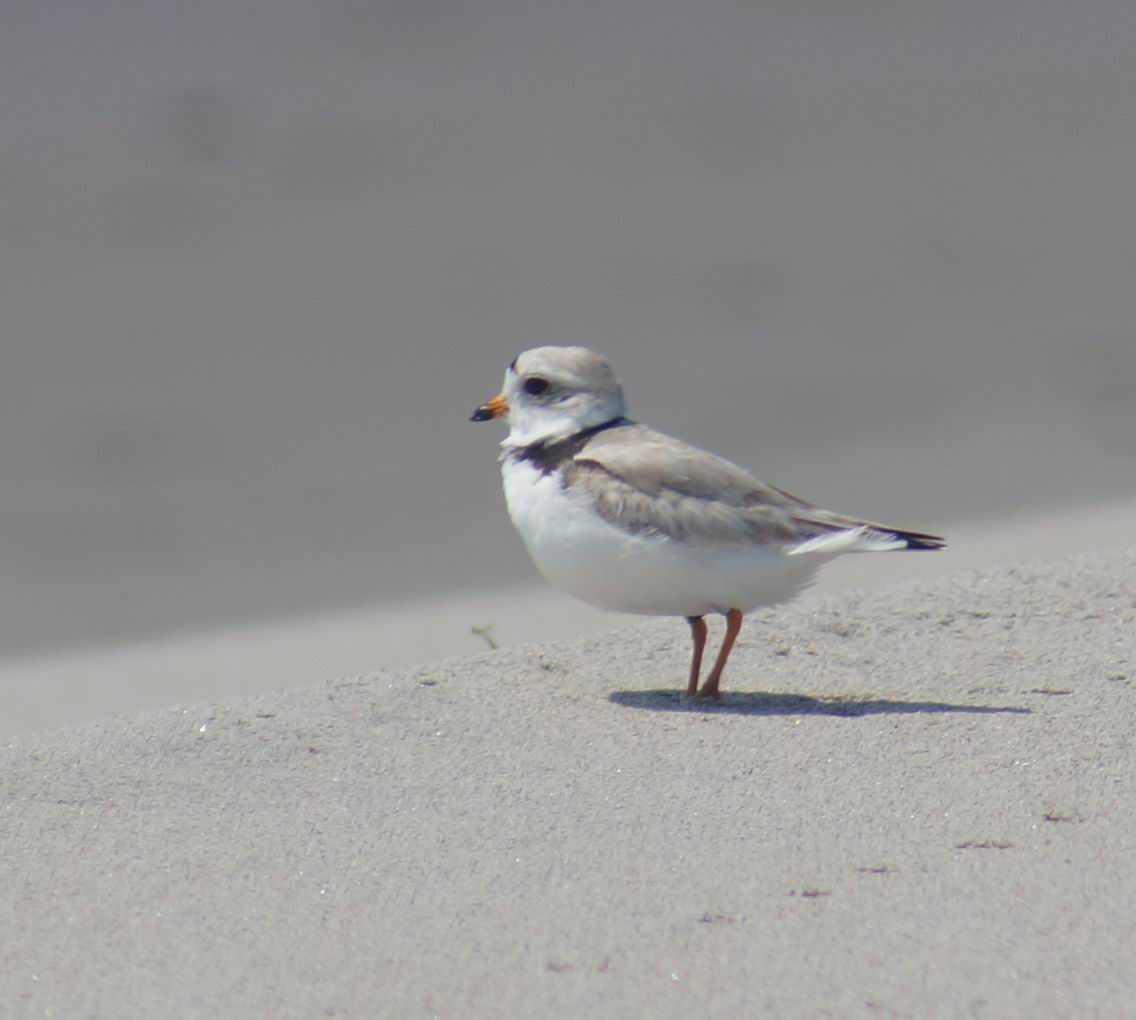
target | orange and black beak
[{"x": 493, "y": 409}]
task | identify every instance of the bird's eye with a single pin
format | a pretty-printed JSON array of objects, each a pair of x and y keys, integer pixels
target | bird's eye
[{"x": 535, "y": 384}]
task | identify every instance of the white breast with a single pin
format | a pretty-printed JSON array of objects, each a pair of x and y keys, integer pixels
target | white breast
[{"x": 577, "y": 550}]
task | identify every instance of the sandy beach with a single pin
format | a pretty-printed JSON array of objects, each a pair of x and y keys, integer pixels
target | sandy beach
[
  {"x": 913, "y": 802},
  {"x": 259, "y": 264}
]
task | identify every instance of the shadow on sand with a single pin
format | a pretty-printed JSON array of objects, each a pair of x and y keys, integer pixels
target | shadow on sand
[{"x": 764, "y": 703}]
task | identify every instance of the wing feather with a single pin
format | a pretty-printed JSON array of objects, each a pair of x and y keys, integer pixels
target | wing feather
[{"x": 641, "y": 481}]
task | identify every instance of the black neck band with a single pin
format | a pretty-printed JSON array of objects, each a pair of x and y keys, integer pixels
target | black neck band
[{"x": 548, "y": 456}]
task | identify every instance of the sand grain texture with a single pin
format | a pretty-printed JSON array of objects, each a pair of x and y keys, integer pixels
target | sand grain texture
[{"x": 912, "y": 802}]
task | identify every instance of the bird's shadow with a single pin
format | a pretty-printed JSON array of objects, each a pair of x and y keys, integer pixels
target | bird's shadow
[{"x": 767, "y": 703}]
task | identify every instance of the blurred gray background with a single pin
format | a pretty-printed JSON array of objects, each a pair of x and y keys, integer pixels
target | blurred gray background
[{"x": 261, "y": 259}]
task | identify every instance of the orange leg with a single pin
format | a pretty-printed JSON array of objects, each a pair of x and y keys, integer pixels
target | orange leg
[
  {"x": 733, "y": 625},
  {"x": 698, "y": 633}
]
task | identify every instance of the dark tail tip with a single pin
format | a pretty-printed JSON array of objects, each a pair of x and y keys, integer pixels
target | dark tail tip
[{"x": 918, "y": 542}]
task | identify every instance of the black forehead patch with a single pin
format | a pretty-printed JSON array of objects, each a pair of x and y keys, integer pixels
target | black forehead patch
[{"x": 513, "y": 364}]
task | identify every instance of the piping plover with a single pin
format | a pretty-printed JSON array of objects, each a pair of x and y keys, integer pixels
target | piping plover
[{"x": 631, "y": 520}]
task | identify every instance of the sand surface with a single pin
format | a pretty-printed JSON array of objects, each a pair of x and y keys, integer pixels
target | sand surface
[
  {"x": 914, "y": 802},
  {"x": 259, "y": 263}
]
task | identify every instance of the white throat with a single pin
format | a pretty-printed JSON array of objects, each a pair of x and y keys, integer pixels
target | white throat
[{"x": 534, "y": 424}]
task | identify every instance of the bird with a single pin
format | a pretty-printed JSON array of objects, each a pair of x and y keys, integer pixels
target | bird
[{"x": 633, "y": 520}]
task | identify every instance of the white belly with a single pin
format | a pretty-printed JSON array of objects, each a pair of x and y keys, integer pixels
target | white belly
[{"x": 580, "y": 552}]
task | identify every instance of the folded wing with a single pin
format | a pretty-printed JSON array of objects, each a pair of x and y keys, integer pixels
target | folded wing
[{"x": 643, "y": 481}]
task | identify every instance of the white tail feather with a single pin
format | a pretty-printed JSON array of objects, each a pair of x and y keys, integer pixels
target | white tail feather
[{"x": 862, "y": 539}]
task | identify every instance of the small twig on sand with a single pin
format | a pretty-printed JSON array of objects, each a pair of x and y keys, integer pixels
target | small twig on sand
[{"x": 486, "y": 633}]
